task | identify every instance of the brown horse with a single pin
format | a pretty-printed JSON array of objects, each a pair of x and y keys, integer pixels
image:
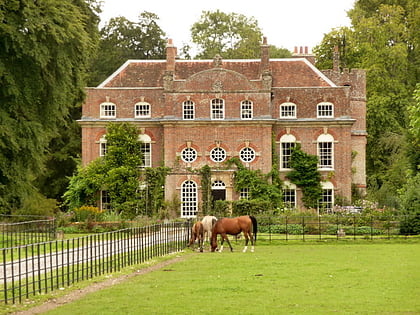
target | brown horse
[
  {"x": 197, "y": 233},
  {"x": 233, "y": 226}
]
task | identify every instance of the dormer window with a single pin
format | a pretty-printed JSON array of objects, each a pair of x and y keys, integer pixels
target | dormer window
[
  {"x": 325, "y": 110},
  {"x": 108, "y": 110}
]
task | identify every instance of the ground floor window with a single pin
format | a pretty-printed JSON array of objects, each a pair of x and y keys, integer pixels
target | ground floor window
[
  {"x": 289, "y": 198},
  {"x": 327, "y": 199},
  {"x": 189, "y": 199},
  {"x": 105, "y": 200}
]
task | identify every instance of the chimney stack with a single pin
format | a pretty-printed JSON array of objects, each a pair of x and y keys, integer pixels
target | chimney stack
[
  {"x": 171, "y": 52},
  {"x": 303, "y": 52},
  {"x": 265, "y": 56}
]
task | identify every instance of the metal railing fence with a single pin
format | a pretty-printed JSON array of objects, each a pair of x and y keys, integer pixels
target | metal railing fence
[
  {"x": 23, "y": 230},
  {"x": 43, "y": 267}
]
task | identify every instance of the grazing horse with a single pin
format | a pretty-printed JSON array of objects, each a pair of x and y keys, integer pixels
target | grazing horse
[
  {"x": 197, "y": 233},
  {"x": 208, "y": 223},
  {"x": 233, "y": 226}
]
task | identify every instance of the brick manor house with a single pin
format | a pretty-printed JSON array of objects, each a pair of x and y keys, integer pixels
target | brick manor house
[{"x": 192, "y": 113}]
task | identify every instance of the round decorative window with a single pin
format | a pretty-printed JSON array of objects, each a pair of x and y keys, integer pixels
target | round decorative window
[
  {"x": 247, "y": 155},
  {"x": 218, "y": 154},
  {"x": 189, "y": 155}
]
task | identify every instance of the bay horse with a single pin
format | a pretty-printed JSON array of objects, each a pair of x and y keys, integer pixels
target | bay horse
[
  {"x": 234, "y": 226},
  {"x": 197, "y": 233},
  {"x": 208, "y": 223}
]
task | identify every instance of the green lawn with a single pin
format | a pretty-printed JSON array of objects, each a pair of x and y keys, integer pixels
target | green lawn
[{"x": 327, "y": 278}]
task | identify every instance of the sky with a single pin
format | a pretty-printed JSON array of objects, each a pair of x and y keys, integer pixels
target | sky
[{"x": 285, "y": 23}]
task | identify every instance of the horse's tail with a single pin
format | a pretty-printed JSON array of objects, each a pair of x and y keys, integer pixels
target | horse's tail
[{"x": 254, "y": 226}]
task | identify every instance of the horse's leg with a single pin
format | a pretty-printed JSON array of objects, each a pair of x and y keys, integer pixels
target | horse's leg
[
  {"x": 246, "y": 242},
  {"x": 227, "y": 240},
  {"x": 251, "y": 235}
]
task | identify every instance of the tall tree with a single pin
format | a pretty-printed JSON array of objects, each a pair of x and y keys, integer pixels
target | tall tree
[
  {"x": 122, "y": 39},
  {"x": 44, "y": 50},
  {"x": 231, "y": 35},
  {"x": 384, "y": 40}
]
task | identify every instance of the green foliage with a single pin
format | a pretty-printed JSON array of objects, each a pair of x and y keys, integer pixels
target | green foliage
[
  {"x": 250, "y": 207},
  {"x": 306, "y": 176},
  {"x": 206, "y": 196},
  {"x": 230, "y": 35},
  {"x": 259, "y": 185},
  {"x": 132, "y": 190},
  {"x": 44, "y": 49},
  {"x": 87, "y": 213},
  {"x": 411, "y": 224},
  {"x": 384, "y": 40},
  {"x": 122, "y": 39},
  {"x": 409, "y": 195}
]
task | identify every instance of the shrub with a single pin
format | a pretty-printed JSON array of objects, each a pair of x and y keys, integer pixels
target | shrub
[
  {"x": 87, "y": 213},
  {"x": 410, "y": 225}
]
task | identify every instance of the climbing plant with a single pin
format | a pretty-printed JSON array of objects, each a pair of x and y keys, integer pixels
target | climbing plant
[
  {"x": 306, "y": 176},
  {"x": 206, "y": 197}
]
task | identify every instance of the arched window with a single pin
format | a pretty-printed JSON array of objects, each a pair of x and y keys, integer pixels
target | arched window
[
  {"x": 288, "y": 110},
  {"x": 246, "y": 109},
  {"x": 142, "y": 110},
  {"x": 217, "y": 109},
  {"x": 108, "y": 110},
  {"x": 189, "y": 199},
  {"x": 188, "y": 110},
  {"x": 325, "y": 144},
  {"x": 287, "y": 143},
  {"x": 146, "y": 149},
  {"x": 102, "y": 146},
  {"x": 327, "y": 200},
  {"x": 325, "y": 110}
]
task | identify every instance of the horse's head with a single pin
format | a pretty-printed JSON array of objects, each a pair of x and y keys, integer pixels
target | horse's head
[{"x": 213, "y": 244}]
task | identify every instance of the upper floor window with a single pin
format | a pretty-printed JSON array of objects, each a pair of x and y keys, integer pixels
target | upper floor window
[
  {"x": 246, "y": 110},
  {"x": 326, "y": 151},
  {"x": 188, "y": 111},
  {"x": 287, "y": 143},
  {"x": 217, "y": 109},
  {"x": 247, "y": 155},
  {"x": 189, "y": 155},
  {"x": 218, "y": 154},
  {"x": 146, "y": 150},
  {"x": 288, "y": 110},
  {"x": 142, "y": 110},
  {"x": 325, "y": 110},
  {"x": 102, "y": 146},
  {"x": 108, "y": 110}
]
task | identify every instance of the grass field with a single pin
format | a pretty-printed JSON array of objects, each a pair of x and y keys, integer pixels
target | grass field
[{"x": 324, "y": 278}]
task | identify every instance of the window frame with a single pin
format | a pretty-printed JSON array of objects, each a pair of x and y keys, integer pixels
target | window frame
[
  {"x": 325, "y": 152},
  {"x": 188, "y": 113},
  {"x": 142, "y": 113},
  {"x": 253, "y": 153},
  {"x": 217, "y": 109},
  {"x": 106, "y": 111},
  {"x": 214, "y": 155},
  {"x": 286, "y": 152},
  {"x": 189, "y": 199},
  {"x": 325, "y": 110},
  {"x": 282, "y": 113},
  {"x": 247, "y": 111},
  {"x": 184, "y": 154}
]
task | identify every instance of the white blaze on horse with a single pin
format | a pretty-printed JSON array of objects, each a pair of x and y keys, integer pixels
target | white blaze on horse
[
  {"x": 208, "y": 223},
  {"x": 234, "y": 226},
  {"x": 197, "y": 233}
]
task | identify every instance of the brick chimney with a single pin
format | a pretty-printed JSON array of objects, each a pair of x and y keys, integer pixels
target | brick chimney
[
  {"x": 170, "y": 56},
  {"x": 303, "y": 52},
  {"x": 336, "y": 59},
  {"x": 265, "y": 56}
]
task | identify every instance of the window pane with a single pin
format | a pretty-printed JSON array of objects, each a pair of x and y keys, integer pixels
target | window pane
[
  {"x": 142, "y": 110},
  {"x": 286, "y": 152},
  {"x": 217, "y": 109},
  {"x": 218, "y": 154},
  {"x": 189, "y": 199},
  {"x": 325, "y": 150},
  {"x": 246, "y": 110},
  {"x": 188, "y": 155},
  {"x": 247, "y": 154},
  {"x": 188, "y": 110}
]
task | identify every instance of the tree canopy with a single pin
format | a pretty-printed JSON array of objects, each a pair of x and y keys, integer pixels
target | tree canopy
[
  {"x": 44, "y": 50},
  {"x": 384, "y": 40},
  {"x": 122, "y": 39}
]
